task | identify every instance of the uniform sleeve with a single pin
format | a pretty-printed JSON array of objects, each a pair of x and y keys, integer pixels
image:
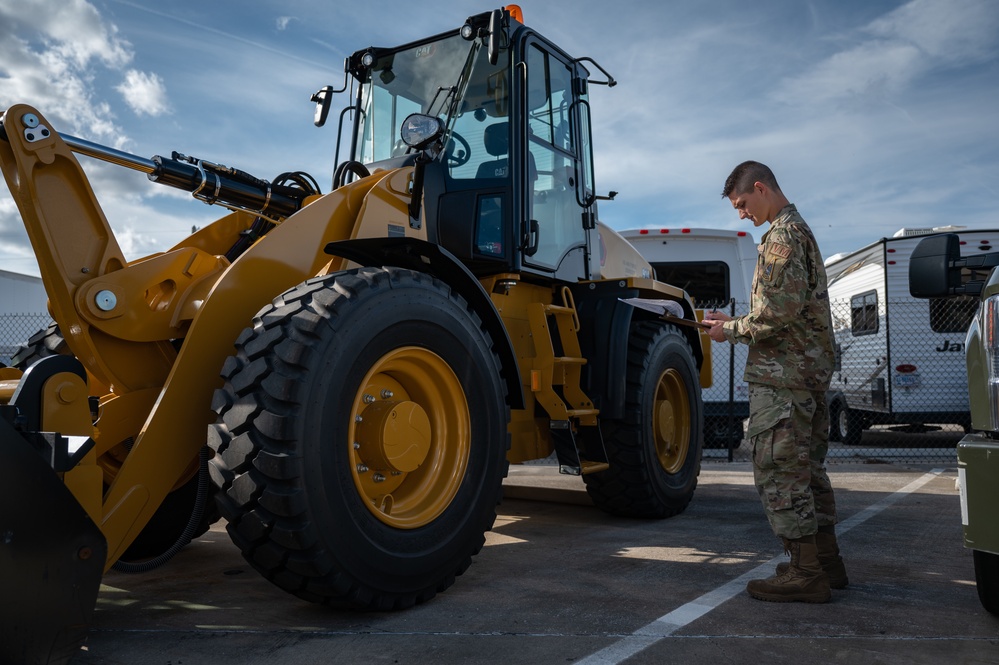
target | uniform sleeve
[{"x": 780, "y": 293}]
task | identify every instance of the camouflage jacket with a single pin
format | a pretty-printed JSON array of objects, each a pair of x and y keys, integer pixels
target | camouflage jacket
[{"x": 789, "y": 327}]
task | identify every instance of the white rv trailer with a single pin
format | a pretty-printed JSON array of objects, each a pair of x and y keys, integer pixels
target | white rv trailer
[
  {"x": 900, "y": 359},
  {"x": 715, "y": 266}
]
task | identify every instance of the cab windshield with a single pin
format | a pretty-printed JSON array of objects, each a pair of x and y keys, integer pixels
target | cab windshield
[{"x": 450, "y": 78}]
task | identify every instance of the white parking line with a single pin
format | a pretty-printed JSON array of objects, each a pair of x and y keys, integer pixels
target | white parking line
[{"x": 668, "y": 624}]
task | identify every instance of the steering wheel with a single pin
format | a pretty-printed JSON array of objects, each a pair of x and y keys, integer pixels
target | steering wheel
[{"x": 460, "y": 158}]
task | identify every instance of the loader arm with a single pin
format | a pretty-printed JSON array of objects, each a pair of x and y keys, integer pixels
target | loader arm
[
  {"x": 74, "y": 246},
  {"x": 120, "y": 318}
]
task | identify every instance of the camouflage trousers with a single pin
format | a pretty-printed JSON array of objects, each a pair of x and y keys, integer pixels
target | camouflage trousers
[{"x": 789, "y": 432}]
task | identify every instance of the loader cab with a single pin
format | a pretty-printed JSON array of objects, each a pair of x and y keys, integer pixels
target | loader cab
[{"x": 510, "y": 188}]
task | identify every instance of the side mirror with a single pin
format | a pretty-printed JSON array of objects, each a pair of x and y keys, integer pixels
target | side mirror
[
  {"x": 322, "y": 99},
  {"x": 932, "y": 273},
  {"x": 493, "y": 41}
]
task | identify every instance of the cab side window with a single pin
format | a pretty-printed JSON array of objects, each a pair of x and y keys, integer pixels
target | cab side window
[{"x": 551, "y": 157}]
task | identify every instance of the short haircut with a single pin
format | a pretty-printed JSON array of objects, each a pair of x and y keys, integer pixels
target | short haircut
[{"x": 745, "y": 175}]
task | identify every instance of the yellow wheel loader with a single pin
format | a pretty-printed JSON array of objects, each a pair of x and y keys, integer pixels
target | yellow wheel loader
[{"x": 344, "y": 377}]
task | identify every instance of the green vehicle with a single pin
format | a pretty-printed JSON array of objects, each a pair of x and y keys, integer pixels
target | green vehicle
[{"x": 937, "y": 270}]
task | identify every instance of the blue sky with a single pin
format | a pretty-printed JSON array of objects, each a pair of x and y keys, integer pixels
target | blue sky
[{"x": 874, "y": 115}]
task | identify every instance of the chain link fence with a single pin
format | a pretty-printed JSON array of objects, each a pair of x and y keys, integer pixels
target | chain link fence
[
  {"x": 15, "y": 329},
  {"x": 899, "y": 392}
]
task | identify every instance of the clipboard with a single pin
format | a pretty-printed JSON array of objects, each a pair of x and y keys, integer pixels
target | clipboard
[
  {"x": 668, "y": 310},
  {"x": 686, "y": 322}
]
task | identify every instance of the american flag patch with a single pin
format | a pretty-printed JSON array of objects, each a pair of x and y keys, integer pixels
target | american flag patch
[{"x": 777, "y": 249}]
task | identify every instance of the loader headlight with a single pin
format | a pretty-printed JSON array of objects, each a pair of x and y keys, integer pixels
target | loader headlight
[{"x": 419, "y": 131}]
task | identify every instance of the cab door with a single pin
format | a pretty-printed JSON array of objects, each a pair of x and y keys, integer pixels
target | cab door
[{"x": 557, "y": 208}]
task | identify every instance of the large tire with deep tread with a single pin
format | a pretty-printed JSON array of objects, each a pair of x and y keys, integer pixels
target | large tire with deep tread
[
  {"x": 316, "y": 497},
  {"x": 46, "y": 342},
  {"x": 655, "y": 449}
]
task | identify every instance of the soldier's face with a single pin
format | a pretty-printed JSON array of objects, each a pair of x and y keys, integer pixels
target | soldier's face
[{"x": 752, "y": 205}]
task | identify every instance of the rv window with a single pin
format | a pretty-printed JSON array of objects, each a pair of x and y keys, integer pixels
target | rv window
[
  {"x": 706, "y": 281},
  {"x": 864, "y": 313}
]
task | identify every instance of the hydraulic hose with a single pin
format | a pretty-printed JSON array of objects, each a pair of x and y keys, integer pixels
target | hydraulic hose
[{"x": 186, "y": 535}]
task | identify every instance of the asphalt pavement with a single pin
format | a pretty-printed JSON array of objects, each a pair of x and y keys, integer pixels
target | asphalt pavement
[{"x": 559, "y": 581}]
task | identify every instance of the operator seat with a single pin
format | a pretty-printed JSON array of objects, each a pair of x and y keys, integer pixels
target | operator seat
[
  {"x": 496, "y": 138},
  {"x": 489, "y": 233}
]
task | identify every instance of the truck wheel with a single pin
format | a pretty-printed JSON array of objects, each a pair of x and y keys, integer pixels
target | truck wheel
[
  {"x": 987, "y": 578},
  {"x": 655, "y": 450},
  {"x": 835, "y": 428},
  {"x": 718, "y": 433},
  {"x": 851, "y": 426},
  {"x": 361, "y": 439}
]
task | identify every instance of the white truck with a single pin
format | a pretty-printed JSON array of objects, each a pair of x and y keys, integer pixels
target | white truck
[
  {"x": 715, "y": 266},
  {"x": 900, "y": 360}
]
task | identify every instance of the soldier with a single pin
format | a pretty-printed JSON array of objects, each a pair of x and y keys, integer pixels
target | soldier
[{"x": 789, "y": 333}]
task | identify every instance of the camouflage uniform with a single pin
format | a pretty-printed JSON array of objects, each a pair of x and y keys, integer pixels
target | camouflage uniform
[{"x": 789, "y": 333}]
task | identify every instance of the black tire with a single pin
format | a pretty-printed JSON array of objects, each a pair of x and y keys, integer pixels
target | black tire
[
  {"x": 851, "y": 426},
  {"x": 299, "y": 475},
  {"x": 655, "y": 450},
  {"x": 44, "y": 343},
  {"x": 835, "y": 429},
  {"x": 719, "y": 433},
  {"x": 987, "y": 579}
]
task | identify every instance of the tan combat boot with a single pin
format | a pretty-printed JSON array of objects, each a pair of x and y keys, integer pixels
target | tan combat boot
[
  {"x": 829, "y": 558},
  {"x": 804, "y": 580}
]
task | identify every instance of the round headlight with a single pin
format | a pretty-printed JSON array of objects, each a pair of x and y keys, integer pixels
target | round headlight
[
  {"x": 368, "y": 59},
  {"x": 467, "y": 32},
  {"x": 419, "y": 131}
]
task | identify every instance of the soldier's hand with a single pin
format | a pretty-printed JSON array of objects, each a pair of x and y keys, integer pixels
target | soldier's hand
[
  {"x": 715, "y": 315},
  {"x": 716, "y": 319}
]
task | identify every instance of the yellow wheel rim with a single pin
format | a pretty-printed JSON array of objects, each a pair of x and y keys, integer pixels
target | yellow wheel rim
[
  {"x": 671, "y": 421},
  {"x": 409, "y": 437}
]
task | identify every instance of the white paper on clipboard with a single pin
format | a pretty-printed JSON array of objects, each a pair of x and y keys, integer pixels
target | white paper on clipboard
[{"x": 669, "y": 310}]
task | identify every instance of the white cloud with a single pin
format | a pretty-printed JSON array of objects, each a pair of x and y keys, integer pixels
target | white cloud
[
  {"x": 144, "y": 93},
  {"x": 874, "y": 115},
  {"x": 54, "y": 69},
  {"x": 869, "y": 70},
  {"x": 896, "y": 50},
  {"x": 949, "y": 30},
  {"x": 73, "y": 29}
]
